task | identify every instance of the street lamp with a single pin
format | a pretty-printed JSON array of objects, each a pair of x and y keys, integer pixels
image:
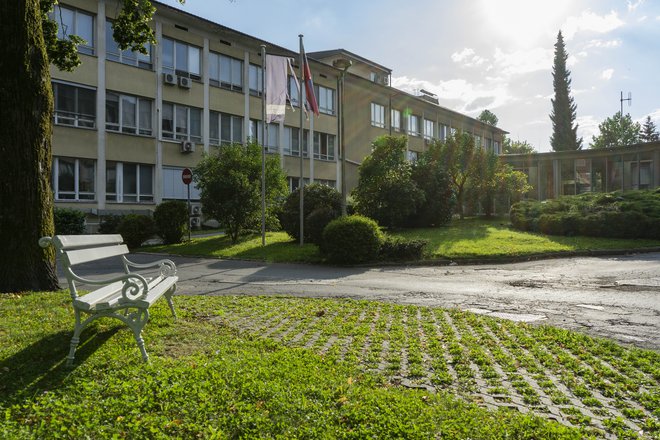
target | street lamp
[{"x": 342, "y": 64}]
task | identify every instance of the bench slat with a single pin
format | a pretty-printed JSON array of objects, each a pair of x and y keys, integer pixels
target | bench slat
[
  {"x": 110, "y": 296},
  {"x": 92, "y": 254},
  {"x": 68, "y": 242},
  {"x": 154, "y": 293}
]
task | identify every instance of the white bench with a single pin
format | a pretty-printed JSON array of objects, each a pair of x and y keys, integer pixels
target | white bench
[{"x": 126, "y": 297}]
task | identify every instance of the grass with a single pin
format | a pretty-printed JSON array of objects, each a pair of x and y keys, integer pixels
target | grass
[
  {"x": 246, "y": 367},
  {"x": 462, "y": 239}
]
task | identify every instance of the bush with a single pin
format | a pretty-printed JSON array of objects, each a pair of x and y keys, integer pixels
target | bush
[
  {"x": 316, "y": 196},
  {"x": 69, "y": 221},
  {"x": 171, "y": 219},
  {"x": 316, "y": 222},
  {"x": 400, "y": 249},
  {"x": 136, "y": 229},
  {"x": 351, "y": 239},
  {"x": 110, "y": 224}
]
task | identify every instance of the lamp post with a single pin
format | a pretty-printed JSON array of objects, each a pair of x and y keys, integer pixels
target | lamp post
[{"x": 343, "y": 64}]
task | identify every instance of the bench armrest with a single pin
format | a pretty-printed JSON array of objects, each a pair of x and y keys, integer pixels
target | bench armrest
[
  {"x": 167, "y": 267},
  {"x": 135, "y": 285}
]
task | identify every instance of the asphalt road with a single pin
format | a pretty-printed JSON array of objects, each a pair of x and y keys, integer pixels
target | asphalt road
[{"x": 614, "y": 297}]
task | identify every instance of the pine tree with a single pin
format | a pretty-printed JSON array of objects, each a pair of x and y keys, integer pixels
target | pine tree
[
  {"x": 649, "y": 133},
  {"x": 564, "y": 133}
]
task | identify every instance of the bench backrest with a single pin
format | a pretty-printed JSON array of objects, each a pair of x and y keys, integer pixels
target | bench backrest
[{"x": 77, "y": 249}]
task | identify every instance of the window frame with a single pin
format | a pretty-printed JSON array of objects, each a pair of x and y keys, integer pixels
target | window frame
[
  {"x": 232, "y": 84},
  {"x": 84, "y": 48},
  {"x": 121, "y": 127},
  {"x": 78, "y": 195},
  {"x": 234, "y": 122},
  {"x": 429, "y": 125},
  {"x": 175, "y": 134},
  {"x": 137, "y": 59},
  {"x": 326, "y": 99},
  {"x": 76, "y": 118},
  {"x": 413, "y": 128},
  {"x": 119, "y": 195},
  {"x": 175, "y": 61},
  {"x": 395, "y": 119},
  {"x": 377, "y": 115}
]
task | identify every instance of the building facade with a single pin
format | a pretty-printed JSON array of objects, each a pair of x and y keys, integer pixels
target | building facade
[
  {"x": 555, "y": 174},
  {"x": 127, "y": 124}
]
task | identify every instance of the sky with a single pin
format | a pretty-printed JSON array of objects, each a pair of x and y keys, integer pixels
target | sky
[{"x": 480, "y": 54}]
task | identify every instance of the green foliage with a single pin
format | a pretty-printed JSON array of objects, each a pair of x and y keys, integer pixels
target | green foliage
[
  {"x": 617, "y": 131},
  {"x": 171, "y": 221},
  {"x": 633, "y": 214},
  {"x": 430, "y": 175},
  {"x": 131, "y": 28},
  {"x": 649, "y": 132},
  {"x": 564, "y": 133},
  {"x": 516, "y": 147},
  {"x": 110, "y": 224},
  {"x": 316, "y": 197},
  {"x": 385, "y": 189},
  {"x": 136, "y": 229},
  {"x": 230, "y": 185},
  {"x": 401, "y": 249},
  {"x": 351, "y": 239},
  {"x": 69, "y": 221},
  {"x": 488, "y": 117}
]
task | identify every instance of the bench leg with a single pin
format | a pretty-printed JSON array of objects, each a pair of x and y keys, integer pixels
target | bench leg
[
  {"x": 168, "y": 296},
  {"x": 75, "y": 340},
  {"x": 136, "y": 322}
]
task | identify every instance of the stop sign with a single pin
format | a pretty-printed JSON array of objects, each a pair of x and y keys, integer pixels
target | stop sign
[{"x": 186, "y": 176}]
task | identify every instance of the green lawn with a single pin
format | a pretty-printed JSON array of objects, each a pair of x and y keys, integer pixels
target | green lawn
[
  {"x": 462, "y": 239},
  {"x": 252, "y": 367}
]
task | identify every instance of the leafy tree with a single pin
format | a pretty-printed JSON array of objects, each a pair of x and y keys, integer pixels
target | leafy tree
[
  {"x": 230, "y": 186},
  {"x": 617, "y": 131},
  {"x": 564, "y": 133},
  {"x": 649, "y": 133},
  {"x": 385, "y": 189},
  {"x": 430, "y": 175},
  {"x": 516, "y": 147},
  {"x": 318, "y": 198},
  {"x": 488, "y": 117},
  {"x": 29, "y": 44},
  {"x": 457, "y": 152}
]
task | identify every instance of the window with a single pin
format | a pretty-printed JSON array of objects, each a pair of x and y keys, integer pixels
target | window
[
  {"x": 75, "y": 106},
  {"x": 477, "y": 141},
  {"x": 413, "y": 125},
  {"x": 181, "y": 58},
  {"x": 442, "y": 132},
  {"x": 113, "y": 53},
  {"x": 256, "y": 79},
  {"x": 326, "y": 99},
  {"x": 324, "y": 146},
  {"x": 412, "y": 156},
  {"x": 181, "y": 122},
  {"x": 128, "y": 114},
  {"x": 129, "y": 182},
  {"x": 73, "y": 179},
  {"x": 429, "y": 129},
  {"x": 377, "y": 115},
  {"x": 395, "y": 120},
  {"x": 272, "y": 135},
  {"x": 291, "y": 141},
  {"x": 174, "y": 188},
  {"x": 225, "y": 129},
  {"x": 75, "y": 22},
  {"x": 225, "y": 72}
]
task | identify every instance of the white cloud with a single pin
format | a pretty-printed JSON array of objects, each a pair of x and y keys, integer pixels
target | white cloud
[
  {"x": 633, "y": 5},
  {"x": 523, "y": 61},
  {"x": 590, "y": 21},
  {"x": 607, "y": 74},
  {"x": 587, "y": 127},
  {"x": 602, "y": 44},
  {"x": 468, "y": 58}
]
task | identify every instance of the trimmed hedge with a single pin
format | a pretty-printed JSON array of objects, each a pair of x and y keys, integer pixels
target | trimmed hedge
[
  {"x": 171, "y": 219},
  {"x": 401, "y": 249},
  {"x": 316, "y": 197},
  {"x": 633, "y": 214},
  {"x": 69, "y": 221},
  {"x": 136, "y": 229},
  {"x": 351, "y": 239}
]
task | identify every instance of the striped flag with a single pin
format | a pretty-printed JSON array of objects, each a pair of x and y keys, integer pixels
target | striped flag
[{"x": 309, "y": 85}]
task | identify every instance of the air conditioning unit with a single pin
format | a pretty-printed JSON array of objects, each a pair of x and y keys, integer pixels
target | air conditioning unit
[
  {"x": 185, "y": 82},
  {"x": 385, "y": 80},
  {"x": 169, "y": 78},
  {"x": 196, "y": 210},
  {"x": 195, "y": 222},
  {"x": 187, "y": 147}
]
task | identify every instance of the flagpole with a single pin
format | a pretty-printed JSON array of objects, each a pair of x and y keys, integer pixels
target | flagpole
[
  {"x": 301, "y": 185},
  {"x": 263, "y": 147}
]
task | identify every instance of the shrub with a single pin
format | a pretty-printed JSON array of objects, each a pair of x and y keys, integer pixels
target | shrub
[
  {"x": 68, "y": 221},
  {"x": 400, "y": 249},
  {"x": 110, "y": 224},
  {"x": 316, "y": 196},
  {"x": 171, "y": 220},
  {"x": 136, "y": 229},
  {"x": 316, "y": 222},
  {"x": 351, "y": 239}
]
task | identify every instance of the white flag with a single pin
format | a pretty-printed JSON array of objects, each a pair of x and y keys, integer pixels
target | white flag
[{"x": 276, "y": 93}]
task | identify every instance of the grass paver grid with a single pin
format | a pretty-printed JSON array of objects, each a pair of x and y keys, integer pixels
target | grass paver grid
[{"x": 578, "y": 381}]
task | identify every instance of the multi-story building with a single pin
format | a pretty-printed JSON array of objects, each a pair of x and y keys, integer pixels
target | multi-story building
[{"x": 127, "y": 124}]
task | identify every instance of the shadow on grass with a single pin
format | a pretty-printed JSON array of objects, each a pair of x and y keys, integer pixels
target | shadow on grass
[{"x": 41, "y": 366}]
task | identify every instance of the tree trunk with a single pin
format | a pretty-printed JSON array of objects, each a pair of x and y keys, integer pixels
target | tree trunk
[{"x": 26, "y": 199}]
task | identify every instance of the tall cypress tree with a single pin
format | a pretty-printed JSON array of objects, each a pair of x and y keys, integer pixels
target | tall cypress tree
[{"x": 564, "y": 133}]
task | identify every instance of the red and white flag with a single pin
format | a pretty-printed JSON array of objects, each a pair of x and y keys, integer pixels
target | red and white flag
[{"x": 309, "y": 85}]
